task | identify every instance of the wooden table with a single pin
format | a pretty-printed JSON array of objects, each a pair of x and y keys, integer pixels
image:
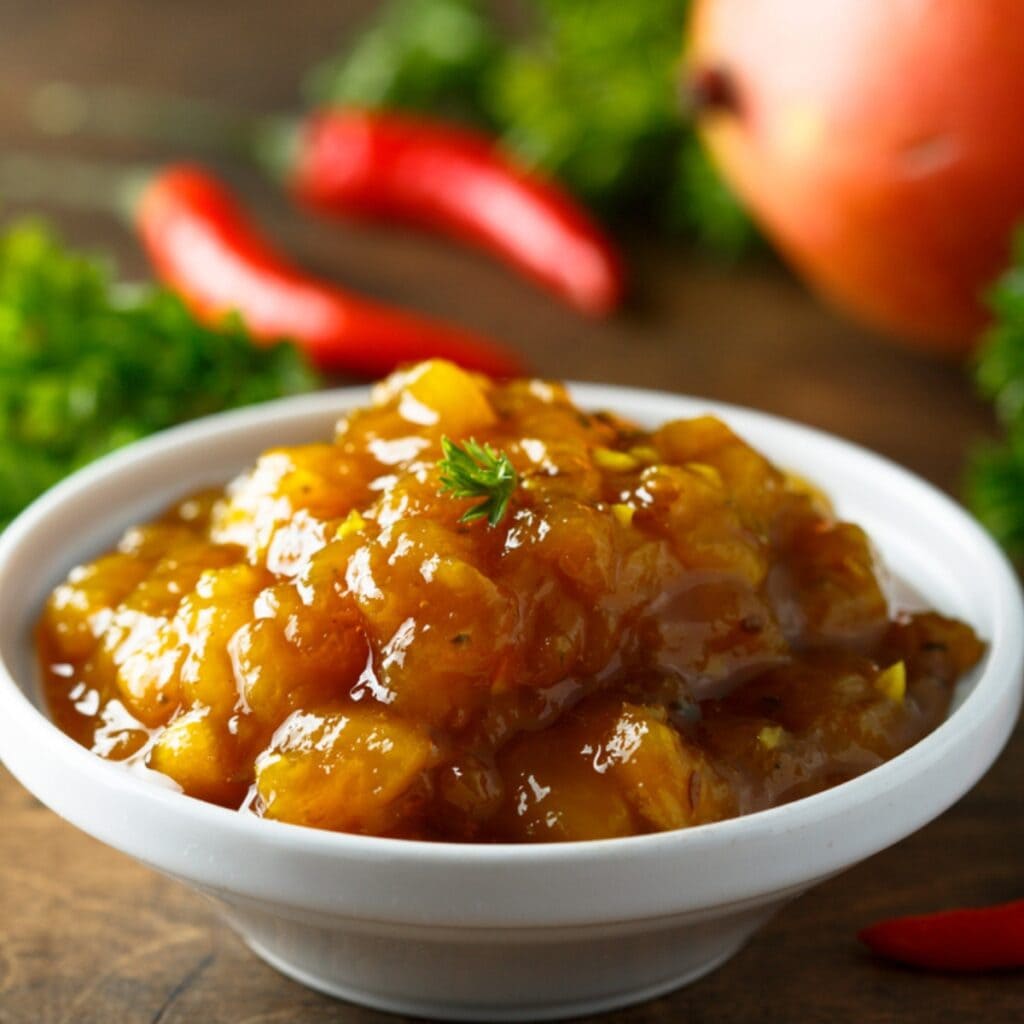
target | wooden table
[{"x": 89, "y": 936}]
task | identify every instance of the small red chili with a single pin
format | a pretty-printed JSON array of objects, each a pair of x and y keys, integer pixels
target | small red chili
[
  {"x": 204, "y": 247},
  {"x": 419, "y": 171},
  {"x": 986, "y": 939}
]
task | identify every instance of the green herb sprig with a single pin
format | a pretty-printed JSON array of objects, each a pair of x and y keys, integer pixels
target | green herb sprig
[
  {"x": 416, "y": 55},
  {"x": 472, "y": 470},
  {"x": 86, "y": 367},
  {"x": 995, "y": 478}
]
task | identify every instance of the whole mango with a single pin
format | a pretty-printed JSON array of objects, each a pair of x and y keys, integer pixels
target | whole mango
[{"x": 878, "y": 142}]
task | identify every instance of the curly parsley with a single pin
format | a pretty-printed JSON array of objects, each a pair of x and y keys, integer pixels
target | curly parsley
[
  {"x": 86, "y": 367},
  {"x": 995, "y": 479}
]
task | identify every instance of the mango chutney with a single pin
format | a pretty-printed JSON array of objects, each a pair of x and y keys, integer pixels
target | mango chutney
[{"x": 661, "y": 629}]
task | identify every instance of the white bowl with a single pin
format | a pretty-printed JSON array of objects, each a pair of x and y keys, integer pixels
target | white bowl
[{"x": 506, "y": 932}]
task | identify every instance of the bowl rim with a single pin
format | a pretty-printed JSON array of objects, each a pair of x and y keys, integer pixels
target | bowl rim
[{"x": 999, "y": 675}]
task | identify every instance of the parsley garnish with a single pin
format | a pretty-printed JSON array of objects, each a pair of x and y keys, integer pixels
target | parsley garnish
[
  {"x": 472, "y": 470},
  {"x": 995, "y": 482},
  {"x": 86, "y": 367}
]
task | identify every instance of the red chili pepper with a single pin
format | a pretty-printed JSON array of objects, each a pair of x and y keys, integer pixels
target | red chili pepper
[
  {"x": 987, "y": 939},
  {"x": 418, "y": 171},
  {"x": 203, "y": 246}
]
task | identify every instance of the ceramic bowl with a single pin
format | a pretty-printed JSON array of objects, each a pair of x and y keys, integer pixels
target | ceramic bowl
[{"x": 506, "y": 932}]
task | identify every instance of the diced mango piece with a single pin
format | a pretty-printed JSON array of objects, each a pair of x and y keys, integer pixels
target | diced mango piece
[
  {"x": 148, "y": 670},
  {"x": 826, "y": 586},
  {"x": 294, "y": 489},
  {"x": 709, "y": 473},
  {"x": 892, "y": 682},
  {"x": 353, "y": 523},
  {"x": 438, "y": 394},
  {"x": 80, "y": 609},
  {"x": 645, "y": 453},
  {"x": 295, "y": 656},
  {"x": 606, "y": 769},
  {"x": 350, "y": 770},
  {"x": 206, "y": 621},
  {"x": 192, "y": 751},
  {"x": 614, "y": 462},
  {"x": 770, "y": 736},
  {"x": 667, "y": 781},
  {"x": 623, "y": 513}
]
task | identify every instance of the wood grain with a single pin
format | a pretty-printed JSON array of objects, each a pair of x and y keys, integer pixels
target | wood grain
[{"x": 89, "y": 936}]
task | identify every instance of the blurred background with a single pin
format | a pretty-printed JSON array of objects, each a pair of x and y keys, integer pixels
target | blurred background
[
  {"x": 872, "y": 145},
  {"x": 699, "y": 318}
]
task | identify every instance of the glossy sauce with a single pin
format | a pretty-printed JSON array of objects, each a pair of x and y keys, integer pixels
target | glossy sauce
[{"x": 664, "y": 630}]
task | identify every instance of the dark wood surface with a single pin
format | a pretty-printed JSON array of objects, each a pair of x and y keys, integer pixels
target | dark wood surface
[{"x": 88, "y": 936}]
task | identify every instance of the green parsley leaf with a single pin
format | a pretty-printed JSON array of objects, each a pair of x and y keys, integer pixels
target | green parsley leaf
[
  {"x": 86, "y": 366},
  {"x": 474, "y": 470},
  {"x": 417, "y": 55},
  {"x": 995, "y": 477}
]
